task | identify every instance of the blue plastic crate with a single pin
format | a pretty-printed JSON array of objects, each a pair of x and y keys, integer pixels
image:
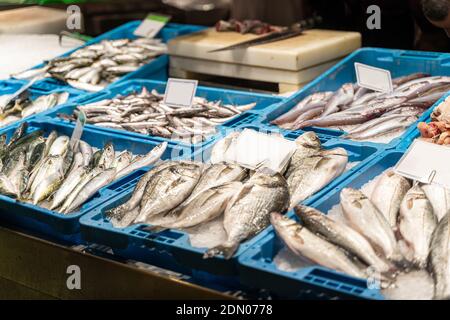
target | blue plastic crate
[
  {"x": 258, "y": 270},
  {"x": 171, "y": 248},
  {"x": 399, "y": 62},
  {"x": 157, "y": 69},
  {"x": 66, "y": 227},
  {"x": 11, "y": 86},
  {"x": 212, "y": 94}
]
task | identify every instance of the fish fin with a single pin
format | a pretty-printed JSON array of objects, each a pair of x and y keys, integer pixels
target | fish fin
[
  {"x": 155, "y": 229},
  {"x": 226, "y": 251}
]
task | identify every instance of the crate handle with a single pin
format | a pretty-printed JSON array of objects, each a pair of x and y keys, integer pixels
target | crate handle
[{"x": 421, "y": 55}]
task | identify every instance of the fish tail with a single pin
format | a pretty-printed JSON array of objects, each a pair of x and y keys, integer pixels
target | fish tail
[{"x": 226, "y": 250}]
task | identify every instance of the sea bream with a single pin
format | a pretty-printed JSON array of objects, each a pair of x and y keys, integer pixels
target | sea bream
[
  {"x": 247, "y": 213},
  {"x": 313, "y": 248},
  {"x": 365, "y": 218}
]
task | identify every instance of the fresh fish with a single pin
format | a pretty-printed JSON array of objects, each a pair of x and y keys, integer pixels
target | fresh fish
[
  {"x": 167, "y": 189},
  {"x": 218, "y": 174},
  {"x": 393, "y": 124},
  {"x": 313, "y": 101},
  {"x": 315, "y": 172},
  {"x": 307, "y": 144},
  {"x": 69, "y": 184},
  {"x": 107, "y": 156},
  {"x": 365, "y": 218},
  {"x": 59, "y": 146},
  {"x": 342, "y": 97},
  {"x": 120, "y": 216},
  {"x": 417, "y": 222},
  {"x": 439, "y": 258},
  {"x": 313, "y": 248},
  {"x": 91, "y": 188},
  {"x": 222, "y": 146},
  {"x": 247, "y": 213},
  {"x": 122, "y": 160},
  {"x": 388, "y": 194},
  {"x": 139, "y": 162},
  {"x": 439, "y": 198},
  {"x": 205, "y": 206},
  {"x": 74, "y": 194},
  {"x": 342, "y": 236}
]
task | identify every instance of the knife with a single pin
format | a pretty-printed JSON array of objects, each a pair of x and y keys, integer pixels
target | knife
[{"x": 283, "y": 34}]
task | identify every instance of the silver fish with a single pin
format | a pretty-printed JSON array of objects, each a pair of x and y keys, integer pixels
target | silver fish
[
  {"x": 315, "y": 172},
  {"x": 91, "y": 188},
  {"x": 365, "y": 218},
  {"x": 439, "y": 258},
  {"x": 417, "y": 222},
  {"x": 139, "y": 162},
  {"x": 388, "y": 194},
  {"x": 342, "y": 97},
  {"x": 247, "y": 213},
  {"x": 69, "y": 184},
  {"x": 313, "y": 248},
  {"x": 342, "y": 236},
  {"x": 167, "y": 189},
  {"x": 439, "y": 198}
]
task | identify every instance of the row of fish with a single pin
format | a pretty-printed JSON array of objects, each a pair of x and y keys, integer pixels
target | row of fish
[
  {"x": 438, "y": 130},
  {"x": 23, "y": 106},
  {"x": 370, "y": 114},
  {"x": 399, "y": 228},
  {"x": 93, "y": 67},
  {"x": 184, "y": 194},
  {"x": 50, "y": 172},
  {"x": 146, "y": 113}
]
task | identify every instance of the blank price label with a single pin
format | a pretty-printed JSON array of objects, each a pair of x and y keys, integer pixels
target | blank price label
[
  {"x": 376, "y": 79},
  {"x": 180, "y": 92},
  {"x": 426, "y": 162},
  {"x": 151, "y": 25}
]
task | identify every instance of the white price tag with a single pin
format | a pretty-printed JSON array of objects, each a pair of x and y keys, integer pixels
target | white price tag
[
  {"x": 426, "y": 162},
  {"x": 151, "y": 25},
  {"x": 255, "y": 150},
  {"x": 78, "y": 131},
  {"x": 180, "y": 92},
  {"x": 376, "y": 79}
]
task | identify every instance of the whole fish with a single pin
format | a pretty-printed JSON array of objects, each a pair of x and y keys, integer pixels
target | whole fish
[
  {"x": 107, "y": 156},
  {"x": 90, "y": 175},
  {"x": 91, "y": 188},
  {"x": 70, "y": 183},
  {"x": 205, "y": 206},
  {"x": 247, "y": 213},
  {"x": 315, "y": 172},
  {"x": 313, "y": 248},
  {"x": 394, "y": 124},
  {"x": 167, "y": 189},
  {"x": 218, "y": 174},
  {"x": 439, "y": 258},
  {"x": 122, "y": 160},
  {"x": 342, "y": 97},
  {"x": 146, "y": 160},
  {"x": 312, "y": 101},
  {"x": 122, "y": 216},
  {"x": 222, "y": 146},
  {"x": 307, "y": 145},
  {"x": 388, "y": 194},
  {"x": 365, "y": 218},
  {"x": 439, "y": 198},
  {"x": 417, "y": 223},
  {"x": 342, "y": 236}
]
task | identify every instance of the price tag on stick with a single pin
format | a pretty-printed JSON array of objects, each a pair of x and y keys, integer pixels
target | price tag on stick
[
  {"x": 151, "y": 25},
  {"x": 426, "y": 162},
  {"x": 180, "y": 92},
  {"x": 78, "y": 131},
  {"x": 376, "y": 79}
]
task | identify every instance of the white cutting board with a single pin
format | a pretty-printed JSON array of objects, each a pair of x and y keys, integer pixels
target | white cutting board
[
  {"x": 312, "y": 48},
  {"x": 249, "y": 72}
]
